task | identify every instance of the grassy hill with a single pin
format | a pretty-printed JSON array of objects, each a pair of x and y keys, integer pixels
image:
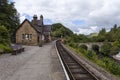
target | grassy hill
[
  {"x": 92, "y": 35},
  {"x": 59, "y": 30}
]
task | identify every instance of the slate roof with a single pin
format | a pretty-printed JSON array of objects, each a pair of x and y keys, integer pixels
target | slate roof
[
  {"x": 47, "y": 28},
  {"x": 39, "y": 27}
]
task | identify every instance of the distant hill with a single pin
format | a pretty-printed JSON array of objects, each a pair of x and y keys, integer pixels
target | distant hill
[
  {"x": 59, "y": 30},
  {"x": 92, "y": 35}
]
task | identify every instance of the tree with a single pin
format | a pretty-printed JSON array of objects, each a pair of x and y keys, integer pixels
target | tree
[
  {"x": 105, "y": 49},
  {"x": 9, "y": 17},
  {"x": 102, "y": 32},
  {"x": 101, "y": 36},
  {"x": 83, "y": 47},
  {"x": 59, "y": 30},
  {"x": 4, "y": 36},
  {"x": 116, "y": 43},
  {"x": 114, "y": 50}
]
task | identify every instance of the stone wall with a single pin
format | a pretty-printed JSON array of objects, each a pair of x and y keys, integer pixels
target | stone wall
[{"x": 26, "y": 28}]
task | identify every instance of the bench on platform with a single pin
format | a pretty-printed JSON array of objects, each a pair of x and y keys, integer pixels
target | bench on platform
[{"x": 17, "y": 49}]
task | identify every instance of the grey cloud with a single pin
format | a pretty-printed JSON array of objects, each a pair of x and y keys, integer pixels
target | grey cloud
[{"x": 100, "y": 13}]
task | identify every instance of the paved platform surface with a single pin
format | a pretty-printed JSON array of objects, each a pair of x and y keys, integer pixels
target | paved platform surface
[{"x": 36, "y": 63}]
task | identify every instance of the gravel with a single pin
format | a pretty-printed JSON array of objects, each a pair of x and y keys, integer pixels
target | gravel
[{"x": 9, "y": 64}]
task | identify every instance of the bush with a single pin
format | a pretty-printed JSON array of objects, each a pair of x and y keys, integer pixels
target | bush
[
  {"x": 105, "y": 62},
  {"x": 111, "y": 66},
  {"x": 84, "y": 47},
  {"x": 4, "y": 35},
  {"x": 72, "y": 44},
  {"x": 91, "y": 55},
  {"x": 105, "y": 49},
  {"x": 5, "y": 48},
  {"x": 114, "y": 50}
]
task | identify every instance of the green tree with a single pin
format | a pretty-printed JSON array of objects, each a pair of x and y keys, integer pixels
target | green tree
[
  {"x": 105, "y": 49},
  {"x": 114, "y": 50},
  {"x": 4, "y": 36},
  {"x": 116, "y": 43},
  {"x": 102, "y": 32},
  {"x": 59, "y": 30},
  {"x": 4, "y": 40},
  {"x": 101, "y": 36},
  {"x": 83, "y": 47},
  {"x": 9, "y": 16}
]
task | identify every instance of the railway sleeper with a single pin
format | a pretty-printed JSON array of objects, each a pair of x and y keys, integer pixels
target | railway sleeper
[
  {"x": 83, "y": 77},
  {"x": 78, "y": 71}
]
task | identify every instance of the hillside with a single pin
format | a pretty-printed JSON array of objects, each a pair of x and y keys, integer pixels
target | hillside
[
  {"x": 59, "y": 30},
  {"x": 92, "y": 35}
]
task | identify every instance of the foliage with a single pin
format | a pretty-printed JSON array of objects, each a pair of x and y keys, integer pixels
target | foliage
[
  {"x": 4, "y": 35},
  {"x": 111, "y": 66},
  {"x": 72, "y": 44},
  {"x": 93, "y": 35},
  {"x": 105, "y": 62},
  {"x": 84, "y": 47},
  {"x": 114, "y": 50},
  {"x": 111, "y": 46},
  {"x": 116, "y": 43},
  {"x": 78, "y": 38},
  {"x": 91, "y": 55},
  {"x": 105, "y": 49},
  {"x": 104, "y": 36},
  {"x": 5, "y": 48},
  {"x": 101, "y": 35},
  {"x": 95, "y": 48},
  {"x": 9, "y": 16},
  {"x": 59, "y": 30},
  {"x": 4, "y": 40}
]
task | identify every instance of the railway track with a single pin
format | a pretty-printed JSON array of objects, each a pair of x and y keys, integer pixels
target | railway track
[{"x": 75, "y": 70}]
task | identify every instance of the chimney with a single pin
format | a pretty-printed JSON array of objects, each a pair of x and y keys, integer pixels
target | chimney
[
  {"x": 41, "y": 19},
  {"x": 34, "y": 21}
]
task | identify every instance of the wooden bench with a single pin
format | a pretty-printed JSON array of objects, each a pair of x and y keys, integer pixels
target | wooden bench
[{"x": 17, "y": 49}]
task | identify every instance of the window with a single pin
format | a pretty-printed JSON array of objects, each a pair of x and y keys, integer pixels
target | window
[
  {"x": 27, "y": 36},
  {"x": 30, "y": 36}
]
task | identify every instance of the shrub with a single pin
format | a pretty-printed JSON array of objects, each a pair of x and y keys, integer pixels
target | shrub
[
  {"x": 84, "y": 47},
  {"x": 114, "y": 50},
  {"x": 72, "y": 44},
  {"x": 105, "y": 49},
  {"x": 105, "y": 62},
  {"x": 91, "y": 55},
  {"x": 5, "y": 48},
  {"x": 4, "y": 35},
  {"x": 111, "y": 66}
]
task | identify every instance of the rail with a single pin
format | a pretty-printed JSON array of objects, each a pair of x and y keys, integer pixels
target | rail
[{"x": 75, "y": 70}]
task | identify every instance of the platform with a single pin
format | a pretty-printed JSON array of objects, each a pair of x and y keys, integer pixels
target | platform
[{"x": 36, "y": 63}]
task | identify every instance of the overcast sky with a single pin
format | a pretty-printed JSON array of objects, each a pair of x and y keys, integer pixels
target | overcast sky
[{"x": 81, "y": 16}]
